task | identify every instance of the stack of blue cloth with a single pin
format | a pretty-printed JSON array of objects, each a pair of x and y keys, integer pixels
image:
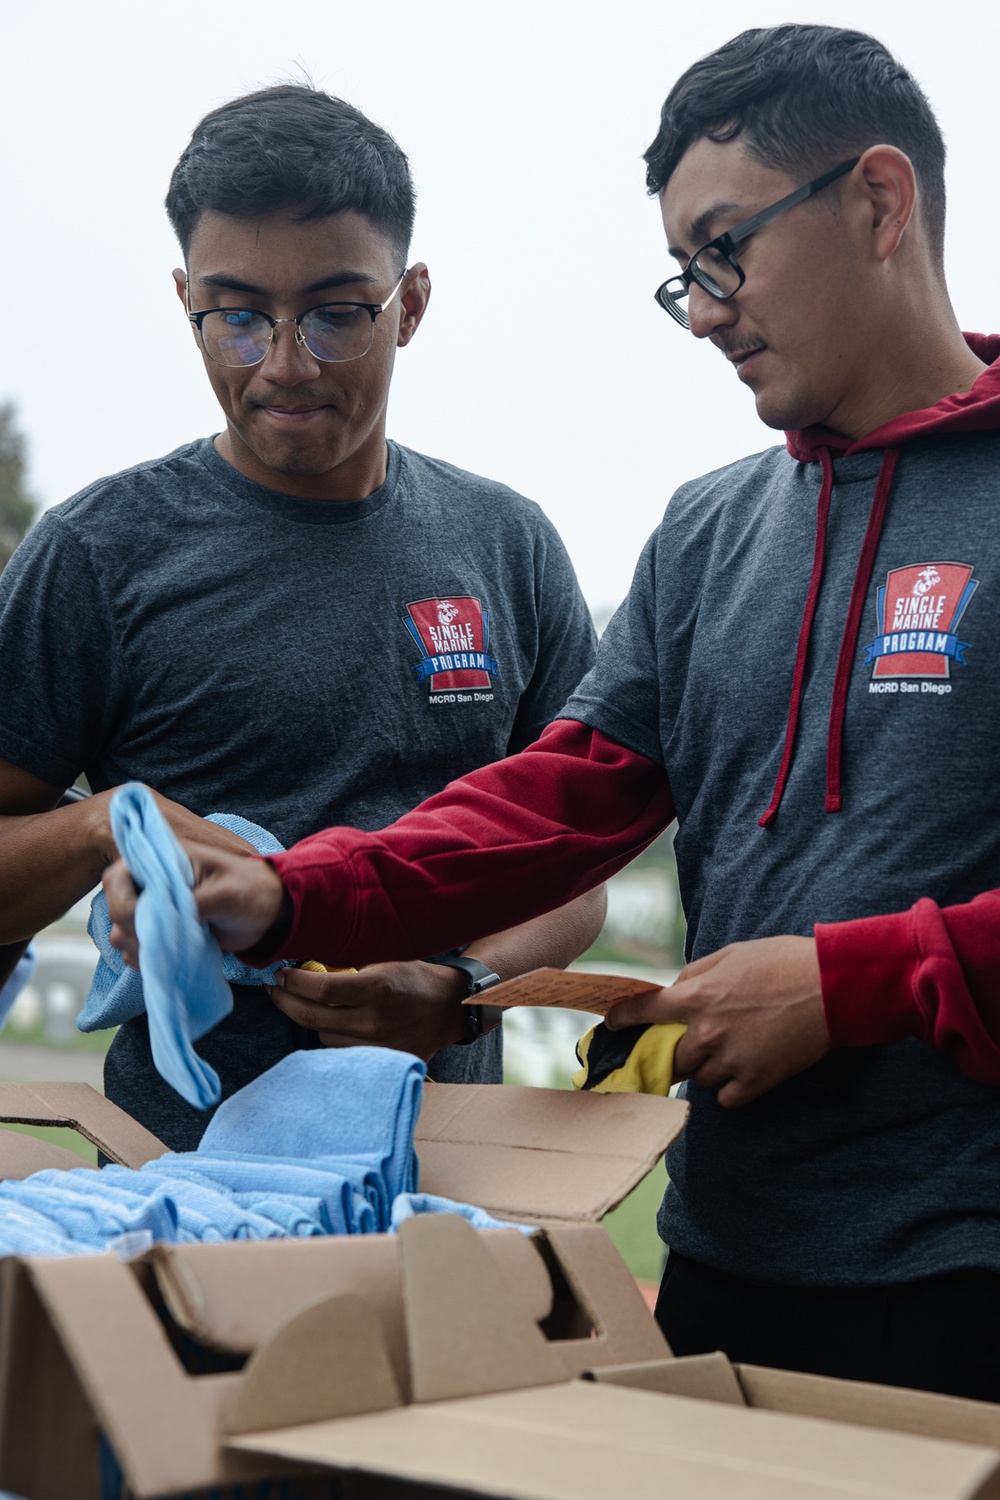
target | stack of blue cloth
[{"x": 320, "y": 1144}]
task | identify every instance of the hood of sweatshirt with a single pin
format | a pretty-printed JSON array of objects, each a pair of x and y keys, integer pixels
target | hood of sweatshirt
[{"x": 976, "y": 410}]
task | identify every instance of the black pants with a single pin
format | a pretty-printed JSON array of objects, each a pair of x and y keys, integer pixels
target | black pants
[{"x": 939, "y": 1334}]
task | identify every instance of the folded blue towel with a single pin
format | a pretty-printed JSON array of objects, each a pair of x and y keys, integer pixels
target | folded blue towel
[
  {"x": 352, "y": 1110},
  {"x": 339, "y": 1208},
  {"x": 88, "y": 1208},
  {"x": 9, "y": 992},
  {"x": 116, "y": 993}
]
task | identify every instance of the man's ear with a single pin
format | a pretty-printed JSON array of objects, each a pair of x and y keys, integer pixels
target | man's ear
[
  {"x": 890, "y": 186},
  {"x": 413, "y": 300},
  {"x": 180, "y": 285}
]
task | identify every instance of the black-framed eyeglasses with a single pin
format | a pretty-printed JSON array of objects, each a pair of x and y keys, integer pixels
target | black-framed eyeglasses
[
  {"x": 332, "y": 332},
  {"x": 715, "y": 268}
]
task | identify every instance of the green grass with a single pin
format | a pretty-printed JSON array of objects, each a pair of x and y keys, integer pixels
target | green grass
[{"x": 632, "y": 1226}]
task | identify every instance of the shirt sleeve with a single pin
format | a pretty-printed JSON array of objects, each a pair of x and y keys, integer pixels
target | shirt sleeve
[
  {"x": 566, "y": 640},
  {"x": 61, "y": 679},
  {"x": 620, "y": 696},
  {"x": 931, "y": 972},
  {"x": 503, "y": 844}
]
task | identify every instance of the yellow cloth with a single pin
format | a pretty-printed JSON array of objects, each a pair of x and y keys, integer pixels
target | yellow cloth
[
  {"x": 648, "y": 1069},
  {"x": 313, "y": 966}
]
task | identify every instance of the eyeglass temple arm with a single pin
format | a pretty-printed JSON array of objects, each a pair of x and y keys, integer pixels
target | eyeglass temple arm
[{"x": 757, "y": 221}]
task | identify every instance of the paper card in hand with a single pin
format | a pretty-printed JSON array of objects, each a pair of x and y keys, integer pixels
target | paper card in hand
[{"x": 565, "y": 991}]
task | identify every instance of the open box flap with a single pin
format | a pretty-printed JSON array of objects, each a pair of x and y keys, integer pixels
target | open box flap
[
  {"x": 711, "y": 1377},
  {"x": 234, "y": 1297},
  {"x": 79, "y": 1107},
  {"x": 532, "y": 1434},
  {"x": 541, "y": 1154}
]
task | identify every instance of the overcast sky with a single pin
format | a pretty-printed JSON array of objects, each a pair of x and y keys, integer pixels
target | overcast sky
[{"x": 543, "y": 360}]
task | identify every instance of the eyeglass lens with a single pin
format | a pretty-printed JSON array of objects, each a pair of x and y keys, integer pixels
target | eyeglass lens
[
  {"x": 715, "y": 273},
  {"x": 240, "y": 336}
]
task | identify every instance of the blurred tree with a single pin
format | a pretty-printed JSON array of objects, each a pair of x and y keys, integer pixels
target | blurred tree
[{"x": 17, "y": 509}]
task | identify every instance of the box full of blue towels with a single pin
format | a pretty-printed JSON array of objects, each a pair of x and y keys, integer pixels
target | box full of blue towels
[{"x": 296, "y": 1192}]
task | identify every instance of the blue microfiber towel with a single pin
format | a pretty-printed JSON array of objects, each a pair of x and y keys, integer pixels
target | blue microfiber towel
[
  {"x": 179, "y": 959},
  {"x": 408, "y": 1204},
  {"x": 341, "y": 1208},
  {"x": 9, "y": 992},
  {"x": 352, "y": 1110},
  {"x": 87, "y": 1208},
  {"x": 204, "y": 1211},
  {"x": 116, "y": 993}
]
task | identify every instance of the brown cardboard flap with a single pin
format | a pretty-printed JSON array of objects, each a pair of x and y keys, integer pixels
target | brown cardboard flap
[
  {"x": 541, "y": 1154},
  {"x": 81, "y": 1108},
  {"x": 466, "y": 1330},
  {"x": 329, "y": 1361},
  {"x": 235, "y": 1297},
  {"x": 583, "y": 1441},
  {"x": 162, "y": 1423},
  {"x": 867, "y": 1405},
  {"x": 706, "y": 1377},
  {"x": 618, "y": 1324},
  {"x": 21, "y": 1155}
]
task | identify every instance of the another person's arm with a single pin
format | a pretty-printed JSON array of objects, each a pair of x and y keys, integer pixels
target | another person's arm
[
  {"x": 417, "y": 1007},
  {"x": 52, "y": 856}
]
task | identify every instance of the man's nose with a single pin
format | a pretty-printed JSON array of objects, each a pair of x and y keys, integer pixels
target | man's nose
[
  {"x": 706, "y": 313},
  {"x": 288, "y": 361}
]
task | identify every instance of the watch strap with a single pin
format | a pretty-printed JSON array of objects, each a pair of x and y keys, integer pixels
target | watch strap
[{"x": 480, "y": 1019}]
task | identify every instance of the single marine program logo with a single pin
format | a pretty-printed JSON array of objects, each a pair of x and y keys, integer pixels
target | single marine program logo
[
  {"x": 918, "y": 610},
  {"x": 453, "y": 635}
]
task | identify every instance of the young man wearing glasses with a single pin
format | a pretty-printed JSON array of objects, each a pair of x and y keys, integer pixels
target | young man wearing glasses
[
  {"x": 805, "y": 674},
  {"x": 296, "y": 622}
]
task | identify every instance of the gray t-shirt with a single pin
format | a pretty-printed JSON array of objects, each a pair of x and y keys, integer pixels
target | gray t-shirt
[
  {"x": 880, "y": 1164},
  {"x": 300, "y": 663}
]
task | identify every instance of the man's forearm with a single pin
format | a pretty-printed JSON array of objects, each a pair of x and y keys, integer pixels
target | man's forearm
[
  {"x": 47, "y": 862},
  {"x": 548, "y": 942}
]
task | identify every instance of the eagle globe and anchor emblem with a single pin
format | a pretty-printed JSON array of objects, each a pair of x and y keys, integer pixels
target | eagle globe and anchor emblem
[{"x": 453, "y": 635}]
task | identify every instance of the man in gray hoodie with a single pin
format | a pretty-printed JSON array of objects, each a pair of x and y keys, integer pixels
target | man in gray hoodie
[{"x": 806, "y": 675}]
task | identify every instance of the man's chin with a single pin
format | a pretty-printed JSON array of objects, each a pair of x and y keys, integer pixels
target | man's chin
[{"x": 788, "y": 413}]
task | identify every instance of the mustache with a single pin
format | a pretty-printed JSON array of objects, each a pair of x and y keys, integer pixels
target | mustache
[{"x": 738, "y": 345}]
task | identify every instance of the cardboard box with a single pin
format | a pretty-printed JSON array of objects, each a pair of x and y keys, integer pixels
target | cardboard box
[
  {"x": 711, "y": 1377},
  {"x": 492, "y": 1412},
  {"x": 135, "y": 1364}
]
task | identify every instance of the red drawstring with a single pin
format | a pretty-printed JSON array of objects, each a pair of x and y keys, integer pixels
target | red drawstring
[
  {"x": 805, "y": 630},
  {"x": 842, "y": 677},
  {"x": 845, "y": 661}
]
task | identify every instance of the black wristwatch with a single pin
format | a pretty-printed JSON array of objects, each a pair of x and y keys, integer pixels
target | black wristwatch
[{"x": 481, "y": 1018}]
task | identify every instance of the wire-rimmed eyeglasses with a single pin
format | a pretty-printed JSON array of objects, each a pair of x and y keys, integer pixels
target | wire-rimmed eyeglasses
[
  {"x": 715, "y": 268},
  {"x": 332, "y": 331}
]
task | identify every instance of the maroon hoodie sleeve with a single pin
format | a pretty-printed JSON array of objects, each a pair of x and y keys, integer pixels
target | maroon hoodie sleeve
[
  {"x": 931, "y": 972},
  {"x": 503, "y": 844}
]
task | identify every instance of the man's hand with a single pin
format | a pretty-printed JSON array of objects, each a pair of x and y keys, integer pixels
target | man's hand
[
  {"x": 754, "y": 1014},
  {"x": 413, "y": 1007},
  {"x": 240, "y": 898},
  {"x": 184, "y": 824}
]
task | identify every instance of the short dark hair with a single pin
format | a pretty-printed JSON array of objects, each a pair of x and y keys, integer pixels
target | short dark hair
[
  {"x": 804, "y": 98},
  {"x": 292, "y": 147}
]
